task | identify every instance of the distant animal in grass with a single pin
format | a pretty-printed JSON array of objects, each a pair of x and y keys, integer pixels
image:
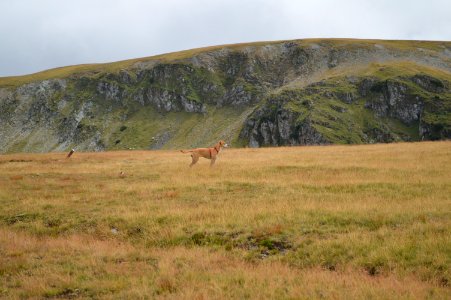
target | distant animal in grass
[
  {"x": 70, "y": 153},
  {"x": 208, "y": 153}
]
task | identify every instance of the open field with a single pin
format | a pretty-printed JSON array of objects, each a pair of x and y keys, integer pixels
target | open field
[{"x": 370, "y": 221}]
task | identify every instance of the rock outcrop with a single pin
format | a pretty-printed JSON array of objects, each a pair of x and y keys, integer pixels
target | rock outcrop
[
  {"x": 304, "y": 92},
  {"x": 391, "y": 109}
]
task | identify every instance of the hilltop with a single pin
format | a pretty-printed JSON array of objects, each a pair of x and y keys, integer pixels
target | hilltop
[{"x": 299, "y": 92}]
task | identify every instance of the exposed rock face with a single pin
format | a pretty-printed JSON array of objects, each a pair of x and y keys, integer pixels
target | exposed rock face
[
  {"x": 110, "y": 90},
  {"x": 166, "y": 101},
  {"x": 276, "y": 125},
  {"x": 264, "y": 94},
  {"x": 305, "y": 116},
  {"x": 393, "y": 99},
  {"x": 72, "y": 128},
  {"x": 177, "y": 87},
  {"x": 429, "y": 83}
]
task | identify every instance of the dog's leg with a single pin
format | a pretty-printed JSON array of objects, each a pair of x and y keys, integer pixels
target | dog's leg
[
  {"x": 195, "y": 158},
  {"x": 213, "y": 159}
]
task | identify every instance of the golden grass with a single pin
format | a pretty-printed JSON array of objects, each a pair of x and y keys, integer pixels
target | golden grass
[
  {"x": 126, "y": 272},
  {"x": 388, "y": 70},
  {"x": 300, "y": 222}
]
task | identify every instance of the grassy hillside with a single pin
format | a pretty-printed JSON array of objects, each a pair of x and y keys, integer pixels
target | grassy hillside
[
  {"x": 368, "y": 221},
  {"x": 67, "y": 71},
  {"x": 312, "y": 91}
]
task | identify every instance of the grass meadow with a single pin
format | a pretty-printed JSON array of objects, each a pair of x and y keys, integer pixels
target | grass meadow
[{"x": 367, "y": 221}]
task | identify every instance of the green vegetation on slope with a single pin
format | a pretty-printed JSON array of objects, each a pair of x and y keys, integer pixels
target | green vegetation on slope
[
  {"x": 63, "y": 72},
  {"x": 316, "y": 91},
  {"x": 388, "y": 102}
]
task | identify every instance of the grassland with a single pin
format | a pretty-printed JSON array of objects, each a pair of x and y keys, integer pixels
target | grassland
[{"x": 301, "y": 222}]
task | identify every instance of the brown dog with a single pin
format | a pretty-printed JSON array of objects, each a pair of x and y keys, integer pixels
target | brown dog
[{"x": 209, "y": 153}]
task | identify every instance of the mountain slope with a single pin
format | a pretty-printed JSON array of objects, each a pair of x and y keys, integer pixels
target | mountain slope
[{"x": 316, "y": 91}]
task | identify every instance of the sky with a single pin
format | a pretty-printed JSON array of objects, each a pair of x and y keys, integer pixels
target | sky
[{"x": 38, "y": 35}]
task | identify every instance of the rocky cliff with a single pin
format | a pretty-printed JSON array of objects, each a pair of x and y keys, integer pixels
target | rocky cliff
[{"x": 299, "y": 92}]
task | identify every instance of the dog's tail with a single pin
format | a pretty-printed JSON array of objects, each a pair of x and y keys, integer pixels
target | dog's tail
[{"x": 186, "y": 151}]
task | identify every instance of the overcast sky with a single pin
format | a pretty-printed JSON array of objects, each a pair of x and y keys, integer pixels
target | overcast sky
[{"x": 42, "y": 34}]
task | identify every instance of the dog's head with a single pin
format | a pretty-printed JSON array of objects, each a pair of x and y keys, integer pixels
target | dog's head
[{"x": 223, "y": 144}]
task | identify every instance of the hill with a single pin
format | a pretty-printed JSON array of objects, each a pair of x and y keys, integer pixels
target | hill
[
  {"x": 340, "y": 222},
  {"x": 300, "y": 92}
]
